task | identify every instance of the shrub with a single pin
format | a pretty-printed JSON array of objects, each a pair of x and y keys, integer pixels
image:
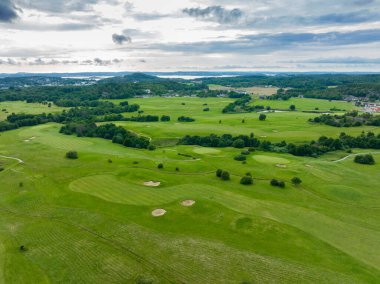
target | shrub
[
  {"x": 110, "y": 161},
  {"x": 251, "y": 149},
  {"x": 245, "y": 152},
  {"x": 296, "y": 181},
  {"x": 1, "y": 169},
  {"x": 292, "y": 107},
  {"x": 240, "y": 158},
  {"x": 72, "y": 155},
  {"x": 206, "y": 109},
  {"x": 274, "y": 182},
  {"x": 185, "y": 119},
  {"x": 135, "y": 163},
  {"x": 160, "y": 166},
  {"x": 151, "y": 147},
  {"x": 281, "y": 184},
  {"x": 365, "y": 159},
  {"x": 225, "y": 175},
  {"x": 219, "y": 173},
  {"x": 238, "y": 143},
  {"x": 246, "y": 180},
  {"x": 177, "y": 169},
  {"x": 262, "y": 117},
  {"x": 165, "y": 118}
]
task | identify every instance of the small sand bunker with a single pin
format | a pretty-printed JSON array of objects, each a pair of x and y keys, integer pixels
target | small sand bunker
[
  {"x": 280, "y": 166},
  {"x": 188, "y": 203},
  {"x": 26, "y": 140},
  {"x": 152, "y": 183},
  {"x": 263, "y": 136},
  {"x": 158, "y": 212},
  {"x": 309, "y": 166}
]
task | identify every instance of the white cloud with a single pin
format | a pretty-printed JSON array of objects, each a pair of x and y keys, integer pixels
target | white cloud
[{"x": 174, "y": 35}]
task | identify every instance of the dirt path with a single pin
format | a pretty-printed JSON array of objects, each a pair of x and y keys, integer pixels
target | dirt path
[
  {"x": 352, "y": 155},
  {"x": 12, "y": 158}
]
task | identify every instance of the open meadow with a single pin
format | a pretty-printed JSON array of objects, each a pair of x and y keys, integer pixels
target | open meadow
[{"x": 90, "y": 220}]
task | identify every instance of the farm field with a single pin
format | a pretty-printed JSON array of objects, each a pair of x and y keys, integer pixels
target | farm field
[
  {"x": 90, "y": 220},
  {"x": 262, "y": 91}
]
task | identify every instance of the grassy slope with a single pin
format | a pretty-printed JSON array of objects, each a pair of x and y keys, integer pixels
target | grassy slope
[{"x": 89, "y": 220}]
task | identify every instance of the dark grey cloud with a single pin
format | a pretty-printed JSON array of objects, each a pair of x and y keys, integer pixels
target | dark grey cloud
[
  {"x": 268, "y": 43},
  {"x": 121, "y": 39},
  {"x": 8, "y": 11},
  {"x": 46, "y": 62},
  {"x": 149, "y": 16},
  {"x": 8, "y": 61},
  {"x": 215, "y": 14},
  {"x": 347, "y": 18}
]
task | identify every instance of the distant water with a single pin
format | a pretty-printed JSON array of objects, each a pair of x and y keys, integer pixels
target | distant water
[
  {"x": 188, "y": 77},
  {"x": 96, "y": 78}
]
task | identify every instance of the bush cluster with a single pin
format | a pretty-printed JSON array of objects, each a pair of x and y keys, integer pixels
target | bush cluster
[
  {"x": 278, "y": 183},
  {"x": 364, "y": 159}
]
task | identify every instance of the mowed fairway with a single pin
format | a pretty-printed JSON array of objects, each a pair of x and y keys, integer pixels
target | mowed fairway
[{"x": 90, "y": 220}]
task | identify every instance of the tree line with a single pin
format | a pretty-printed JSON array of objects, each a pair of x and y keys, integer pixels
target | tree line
[
  {"x": 349, "y": 119},
  {"x": 312, "y": 149},
  {"x": 93, "y": 114},
  {"x": 110, "y": 131}
]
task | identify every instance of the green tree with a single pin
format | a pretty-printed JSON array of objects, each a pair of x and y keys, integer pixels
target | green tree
[
  {"x": 296, "y": 181},
  {"x": 219, "y": 173},
  {"x": 72, "y": 155},
  {"x": 364, "y": 159},
  {"x": 225, "y": 175},
  {"x": 238, "y": 143},
  {"x": 262, "y": 117},
  {"x": 292, "y": 107},
  {"x": 246, "y": 180}
]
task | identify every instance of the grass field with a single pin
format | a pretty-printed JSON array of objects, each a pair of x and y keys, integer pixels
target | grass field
[
  {"x": 7, "y": 108},
  {"x": 89, "y": 220}
]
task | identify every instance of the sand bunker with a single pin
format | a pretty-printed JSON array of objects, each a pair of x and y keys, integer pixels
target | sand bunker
[
  {"x": 158, "y": 212},
  {"x": 152, "y": 183},
  {"x": 280, "y": 166},
  {"x": 30, "y": 139},
  {"x": 263, "y": 136},
  {"x": 188, "y": 203}
]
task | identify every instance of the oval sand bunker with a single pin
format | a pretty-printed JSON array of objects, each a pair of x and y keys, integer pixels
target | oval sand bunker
[
  {"x": 281, "y": 166},
  {"x": 158, "y": 212},
  {"x": 188, "y": 203},
  {"x": 152, "y": 183}
]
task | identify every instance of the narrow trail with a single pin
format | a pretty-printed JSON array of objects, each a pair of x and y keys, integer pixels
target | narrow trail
[
  {"x": 13, "y": 158},
  {"x": 353, "y": 155}
]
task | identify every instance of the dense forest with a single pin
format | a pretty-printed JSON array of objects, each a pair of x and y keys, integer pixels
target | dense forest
[
  {"x": 332, "y": 87},
  {"x": 311, "y": 81}
]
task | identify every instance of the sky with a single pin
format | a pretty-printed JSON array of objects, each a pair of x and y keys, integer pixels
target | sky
[{"x": 189, "y": 35}]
